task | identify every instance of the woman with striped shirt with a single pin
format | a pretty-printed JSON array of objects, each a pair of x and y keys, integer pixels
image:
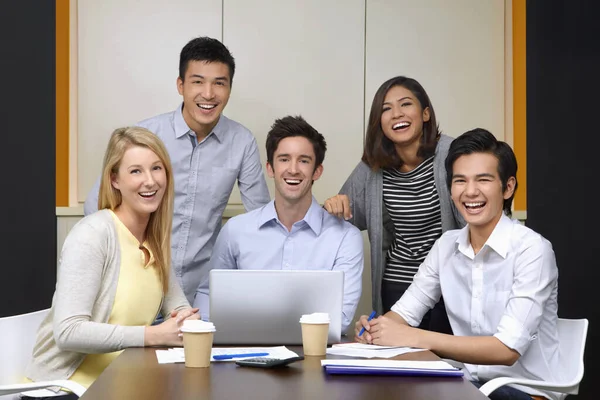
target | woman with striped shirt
[{"x": 397, "y": 192}]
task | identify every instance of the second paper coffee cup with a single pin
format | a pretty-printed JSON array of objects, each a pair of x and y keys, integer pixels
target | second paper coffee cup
[{"x": 315, "y": 331}]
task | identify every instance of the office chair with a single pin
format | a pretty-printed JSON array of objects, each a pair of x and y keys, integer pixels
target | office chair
[
  {"x": 572, "y": 334},
  {"x": 18, "y": 337}
]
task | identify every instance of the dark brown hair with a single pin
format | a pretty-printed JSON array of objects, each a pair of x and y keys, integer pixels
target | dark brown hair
[
  {"x": 295, "y": 126},
  {"x": 379, "y": 151}
]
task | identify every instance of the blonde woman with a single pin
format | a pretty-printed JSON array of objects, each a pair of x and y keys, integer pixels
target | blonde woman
[{"x": 114, "y": 275}]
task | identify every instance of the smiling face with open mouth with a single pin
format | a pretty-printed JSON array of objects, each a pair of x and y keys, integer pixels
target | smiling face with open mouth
[
  {"x": 205, "y": 90},
  {"x": 477, "y": 191},
  {"x": 293, "y": 170},
  {"x": 142, "y": 180},
  {"x": 402, "y": 117}
]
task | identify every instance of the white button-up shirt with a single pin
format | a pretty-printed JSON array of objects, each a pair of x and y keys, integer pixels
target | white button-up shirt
[{"x": 508, "y": 290}]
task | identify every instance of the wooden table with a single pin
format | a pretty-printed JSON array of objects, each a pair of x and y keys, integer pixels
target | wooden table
[{"x": 136, "y": 374}]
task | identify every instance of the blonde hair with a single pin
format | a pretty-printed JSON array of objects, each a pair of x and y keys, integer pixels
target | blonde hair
[{"x": 158, "y": 231}]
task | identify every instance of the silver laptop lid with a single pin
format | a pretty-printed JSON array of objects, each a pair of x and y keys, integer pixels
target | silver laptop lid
[{"x": 265, "y": 306}]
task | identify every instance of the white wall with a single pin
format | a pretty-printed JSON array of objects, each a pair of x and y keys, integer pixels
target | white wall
[{"x": 323, "y": 59}]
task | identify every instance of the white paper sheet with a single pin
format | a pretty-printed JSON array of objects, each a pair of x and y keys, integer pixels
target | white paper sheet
[
  {"x": 176, "y": 355},
  {"x": 364, "y": 346},
  {"x": 369, "y": 350}
]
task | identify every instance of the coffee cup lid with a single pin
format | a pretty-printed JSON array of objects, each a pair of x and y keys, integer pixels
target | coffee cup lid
[
  {"x": 315, "y": 318},
  {"x": 197, "y": 326}
]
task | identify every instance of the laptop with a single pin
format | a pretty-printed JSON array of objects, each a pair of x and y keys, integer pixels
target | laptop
[{"x": 263, "y": 307}]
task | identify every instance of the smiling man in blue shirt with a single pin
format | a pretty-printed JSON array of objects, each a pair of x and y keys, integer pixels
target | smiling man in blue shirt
[
  {"x": 209, "y": 152},
  {"x": 292, "y": 232}
]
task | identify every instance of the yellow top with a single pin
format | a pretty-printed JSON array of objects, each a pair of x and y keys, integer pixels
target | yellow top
[{"x": 137, "y": 300}]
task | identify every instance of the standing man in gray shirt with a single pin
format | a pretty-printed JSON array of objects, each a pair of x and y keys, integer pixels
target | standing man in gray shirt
[{"x": 209, "y": 152}]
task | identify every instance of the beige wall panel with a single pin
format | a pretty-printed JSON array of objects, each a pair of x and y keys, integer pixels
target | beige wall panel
[
  {"x": 454, "y": 49},
  {"x": 128, "y": 65},
  {"x": 300, "y": 58}
]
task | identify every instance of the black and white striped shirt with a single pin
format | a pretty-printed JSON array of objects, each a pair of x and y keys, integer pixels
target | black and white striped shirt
[{"x": 412, "y": 201}]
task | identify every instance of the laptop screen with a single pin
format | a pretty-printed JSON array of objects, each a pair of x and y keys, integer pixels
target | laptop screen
[{"x": 265, "y": 306}]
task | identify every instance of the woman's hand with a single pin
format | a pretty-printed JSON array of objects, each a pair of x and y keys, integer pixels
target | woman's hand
[
  {"x": 182, "y": 315},
  {"x": 339, "y": 205},
  {"x": 168, "y": 333}
]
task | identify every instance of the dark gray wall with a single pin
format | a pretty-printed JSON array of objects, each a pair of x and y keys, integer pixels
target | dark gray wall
[
  {"x": 563, "y": 89},
  {"x": 27, "y": 159}
]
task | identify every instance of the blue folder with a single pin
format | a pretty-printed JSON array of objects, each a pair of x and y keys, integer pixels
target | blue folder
[{"x": 361, "y": 370}]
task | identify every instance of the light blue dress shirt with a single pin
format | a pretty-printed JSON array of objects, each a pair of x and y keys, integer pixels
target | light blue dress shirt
[
  {"x": 320, "y": 241},
  {"x": 204, "y": 175}
]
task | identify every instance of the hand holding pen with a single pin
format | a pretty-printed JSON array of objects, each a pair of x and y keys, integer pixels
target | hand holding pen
[{"x": 361, "y": 325}]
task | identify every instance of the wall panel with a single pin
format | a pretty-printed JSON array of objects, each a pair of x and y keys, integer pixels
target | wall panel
[
  {"x": 456, "y": 52},
  {"x": 304, "y": 60},
  {"x": 563, "y": 60},
  {"x": 28, "y": 202},
  {"x": 128, "y": 66}
]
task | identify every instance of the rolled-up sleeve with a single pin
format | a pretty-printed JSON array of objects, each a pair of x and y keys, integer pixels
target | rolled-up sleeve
[
  {"x": 350, "y": 259},
  {"x": 535, "y": 278},
  {"x": 424, "y": 292},
  {"x": 251, "y": 179}
]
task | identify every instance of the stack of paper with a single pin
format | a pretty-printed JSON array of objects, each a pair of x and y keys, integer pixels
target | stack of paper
[
  {"x": 390, "y": 367},
  {"x": 368, "y": 350},
  {"x": 176, "y": 355}
]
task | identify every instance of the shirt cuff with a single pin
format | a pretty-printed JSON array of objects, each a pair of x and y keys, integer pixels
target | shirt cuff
[
  {"x": 401, "y": 309},
  {"x": 513, "y": 334}
]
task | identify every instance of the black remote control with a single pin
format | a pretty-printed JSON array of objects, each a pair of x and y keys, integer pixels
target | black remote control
[{"x": 267, "y": 362}]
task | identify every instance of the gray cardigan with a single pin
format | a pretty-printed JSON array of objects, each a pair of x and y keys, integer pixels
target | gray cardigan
[
  {"x": 85, "y": 291},
  {"x": 364, "y": 187}
]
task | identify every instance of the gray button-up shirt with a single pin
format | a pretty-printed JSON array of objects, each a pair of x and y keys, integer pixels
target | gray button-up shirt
[{"x": 204, "y": 174}]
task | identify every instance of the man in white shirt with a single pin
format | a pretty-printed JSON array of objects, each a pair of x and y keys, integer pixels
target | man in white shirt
[{"x": 498, "y": 278}]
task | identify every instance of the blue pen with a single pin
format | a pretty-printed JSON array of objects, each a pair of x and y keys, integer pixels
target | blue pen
[
  {"x": 363, "y": 328},
  {"x": 241, "y": 355}
]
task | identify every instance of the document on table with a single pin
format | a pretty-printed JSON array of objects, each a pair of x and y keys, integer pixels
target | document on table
[
  {"x": 390, "y": 367},
  {"x": 176, "y": 355},
  {"x": 369, "y": 350}
]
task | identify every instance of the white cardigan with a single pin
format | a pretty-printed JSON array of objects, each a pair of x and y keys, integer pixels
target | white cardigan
[{"x": 86, "y": 285}]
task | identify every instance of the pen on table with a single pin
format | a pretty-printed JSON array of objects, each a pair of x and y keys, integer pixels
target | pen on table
[
  {"x": 241, "y": 355},
  {"x": 363, "y": 328}
]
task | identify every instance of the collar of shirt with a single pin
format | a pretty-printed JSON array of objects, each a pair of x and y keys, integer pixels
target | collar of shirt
[
  {"x": 498, "y": 241},
  {"x": 313, "y": 217},
  {"x": 182, "y": 128}
]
